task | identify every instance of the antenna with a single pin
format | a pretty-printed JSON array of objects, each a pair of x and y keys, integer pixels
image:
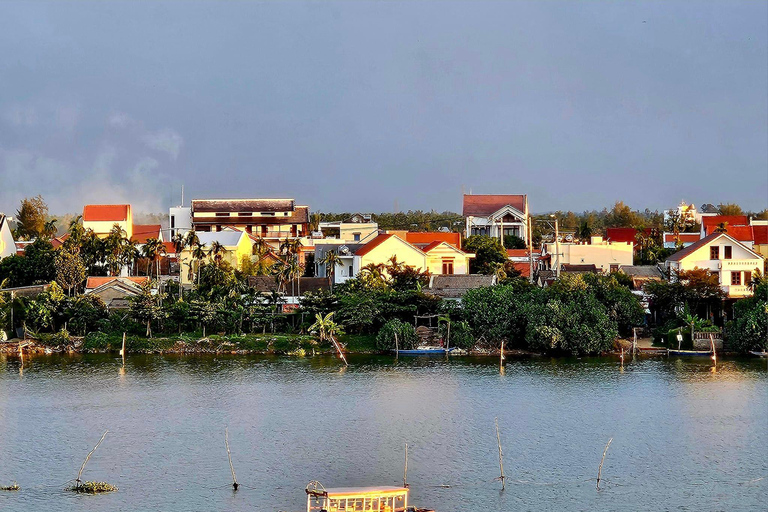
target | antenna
[{"x": 182, "y": 195}]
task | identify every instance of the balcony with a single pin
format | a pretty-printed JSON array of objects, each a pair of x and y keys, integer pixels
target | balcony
[{"x": 736, "y": 291}]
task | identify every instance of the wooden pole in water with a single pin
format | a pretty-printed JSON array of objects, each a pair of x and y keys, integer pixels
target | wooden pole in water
[
  {"x": 88, "y": 457},
  {"x": 122, "y": 350},
  {"x": 501, "y": 456},
  {"x": 397, "y": 349},
  {"x": 235, "y": 485},
  {"x": 405, "y": 469},
  {"x": 714, "y": 352},
  {"x": 600, "y": 468},
  {"x": 501, "y": 358},
  {"x": 338, "y": 347}
]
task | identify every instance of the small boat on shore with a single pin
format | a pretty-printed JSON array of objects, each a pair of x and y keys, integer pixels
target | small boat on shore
[
  {"x": 675, "y": 352},
  {"x": 350, "y": 499},
  {"x": 428, "y": 350},
  {"x": 759, "y": 354}
]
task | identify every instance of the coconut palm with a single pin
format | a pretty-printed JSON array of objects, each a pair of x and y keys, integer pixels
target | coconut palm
[
  {"x": 114, "y": 244},
  {"x": 151, "y": 250},
  {"x": 179, "y": 242},
  {"x": 131, "y": 255},
  {"x": 199, "y": 254},
  {"x": 722, "y": 228},
  {"x": 217, "y": 252},
  {"x": 49, "y": 229},
  {"x": 331, "y": 260}
]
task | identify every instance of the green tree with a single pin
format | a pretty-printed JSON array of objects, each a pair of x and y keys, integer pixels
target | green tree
[
  {"x": 406, "y": 336},
  {"x": 514, "y": 242},
  {"x": 730, "y": 209},
  {"x": 146, "y": 308},
  {"x": 489, "y": 254},
  {"x": 31, "y": 218},
  {"x": 749, "y": 329},
  {"x": 70, "y": 270},
  {"x": 331, "y": 260}
]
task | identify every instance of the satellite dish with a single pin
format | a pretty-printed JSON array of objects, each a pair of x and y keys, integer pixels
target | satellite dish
[{"x": 344, "y": 249}]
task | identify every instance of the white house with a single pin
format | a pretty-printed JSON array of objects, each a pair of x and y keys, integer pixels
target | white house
[
  {"x": 7, "y": 245},
  {"x": 496, "y": 215},
  {"x": 606, "y": 256},
  {"x": 721, "y": 254}
]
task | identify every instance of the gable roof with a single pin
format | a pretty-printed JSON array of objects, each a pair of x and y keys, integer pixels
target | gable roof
[
  {"x": 579, "y": 268},
  {"x": 94, "y": 282},
  {"x": 643, "y": 271},
  {"x": 268, "y": 284},
  {"x": 106, "y": 212},
  {"x": 620, "y": 234},
  {"x": 455, "y": 286},
  {"x": 429, "y": 237},
  {"x": 732, "y": 220},
  {"x": 761, "y": 234},
  {"x": 143, "y": 232},
  {"x": 740, "y": 233},
  {"x": 679, "y": 255},
  {"x": 686, "y": 238},
  {"x": 365, "y": 249},
  {"x": 517, "y": 253},
  {"x": 485, "y": 205},
  {"x": 225, "y": 238}
]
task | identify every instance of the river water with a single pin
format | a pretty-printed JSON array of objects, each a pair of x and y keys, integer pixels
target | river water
[{"x": 684, "y": 438}]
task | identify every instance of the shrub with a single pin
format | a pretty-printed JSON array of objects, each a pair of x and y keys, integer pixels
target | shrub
[
  {"x": 461, "y": 335},
  {"x": 406, "y": 335}
]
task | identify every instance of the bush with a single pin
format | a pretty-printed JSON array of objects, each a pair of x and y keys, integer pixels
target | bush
[
  {"x": 460, "y": 334},
  {"x": 406, "y": 335}
]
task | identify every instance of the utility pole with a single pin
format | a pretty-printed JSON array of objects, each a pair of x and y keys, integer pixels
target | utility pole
[
  {"x": 557, "y": 247},
  {"x": 530, "y": 240}
]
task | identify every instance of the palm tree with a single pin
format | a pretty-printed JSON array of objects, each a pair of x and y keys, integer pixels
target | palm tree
[
  {"x": 199, "y": 254},
  {"x": 151, "y": 250},
  {"x": 331, "y": 260},
  {"x": 328, "y": 329},
  {"x": 114, "y": 244},
  {"x": 131, "y": 254},
  {"x": 260, "y": 247},
  {"x": 191, "y": 239},
  {"x": 285, "y": 246},
  {"x": 217, "y": 251},
  {"x": 722, "y": 228},
  {"x": 49, "y": 229},
  {"x": 179, "y": 242}
]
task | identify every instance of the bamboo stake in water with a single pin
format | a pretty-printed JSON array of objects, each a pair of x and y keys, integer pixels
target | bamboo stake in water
[
  {"x": 405, "y": 469},
  {"x": 338, "y": 347},
  {"x": 235, "y": 485},
  {"x": 600, "y": 468},
  {"x": 88, "y": 457},
  {"x": 501, "y": 358},
  {"x": 397, "y": 348},
  {"x": 122, "y": 350},
  {"x": 501, "y": 456},
  {"x": 714, "y": 352}
]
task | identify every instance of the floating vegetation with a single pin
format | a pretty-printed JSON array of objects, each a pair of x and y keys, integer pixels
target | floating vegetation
[
  {"x": 13, "y": 487},
  {"x": 94, "y": 487}
]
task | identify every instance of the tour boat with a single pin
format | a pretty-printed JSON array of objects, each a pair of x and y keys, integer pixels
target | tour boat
[
  {"x": 427, "y": 350},
  {"x": 351, "y": 499}
]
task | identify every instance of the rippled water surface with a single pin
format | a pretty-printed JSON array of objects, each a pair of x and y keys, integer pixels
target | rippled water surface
[{"x": 684, "y": 438}]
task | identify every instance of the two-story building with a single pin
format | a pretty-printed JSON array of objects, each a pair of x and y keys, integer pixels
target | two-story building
[
  {"x": 604, "y": 255},
  {"x": 236, "y": 245},
  {"x": 271, "y": 219},
  {"x": 101, "y": 218},
  {"x": 733, "y": 262},
  {"x": 496, "y": 215}
]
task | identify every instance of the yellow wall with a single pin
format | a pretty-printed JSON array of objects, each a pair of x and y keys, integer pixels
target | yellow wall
[
  {"x": 233, "y": 255},
  {"x": 443, "y": 251},
  {"x": 394, "y": 246},
  {"x": 102, "y": 229},
  {"x": 601, "y": 254}
]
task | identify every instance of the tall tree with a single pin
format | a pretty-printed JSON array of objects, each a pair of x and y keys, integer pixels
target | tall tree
[
  {"x": 730, "y": 209},
  {"x": 331, "y": 260},
  {"x": 70, "y": 270},
  {"x": 31, "y": 218}
]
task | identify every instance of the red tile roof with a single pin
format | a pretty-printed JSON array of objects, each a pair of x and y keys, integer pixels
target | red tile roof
[
  {"x": 740, "y": 233},
  {"x": 372, "y": 245},
  {"x": 431, "y": 246},
  {"x": 523, "y": 268},
  {"x": 170, "y": 248},
  {"x": 143, "y": 232},
  {"x": 485, "y": 205},
  {"x": 679, "y": 255},
  {"x": 620, "y": 234},
  {"x": 95, "y": 282},
  {"x": 432, "y": 236},
  {"x": 106, "y": 212},
  {"x": 59, "y": 241},
  {"x": 686, "y": 238},
  {"x": 761, "y": 234},
  {"x": 732, "y": 220}
]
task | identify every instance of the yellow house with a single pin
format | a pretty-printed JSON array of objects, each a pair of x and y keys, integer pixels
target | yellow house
[
  {"x": 101, "y": 218},
  {"x": 446, "y": 259},
  {"x": 236, "y": 244}
]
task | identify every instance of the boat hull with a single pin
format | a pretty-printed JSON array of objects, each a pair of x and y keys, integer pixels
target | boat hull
[
  {"x": 425, "y": 352},
  {"x": 689, "y": 352},
  {"x": 758, "y": 354}
]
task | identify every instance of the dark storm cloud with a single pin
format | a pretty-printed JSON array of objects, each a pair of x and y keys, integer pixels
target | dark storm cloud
[{"x": 361, "y": 106}]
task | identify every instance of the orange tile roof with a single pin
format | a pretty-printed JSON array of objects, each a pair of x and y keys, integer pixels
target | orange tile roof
[
  {"x": 428, "y": 237},
  {"x": 740, "y": 233},
  {"x": 170, "y": 248},
  {"x": 143, "y": 232},
  {"x": 372, "y": 245},
  {"x": 106, "y": 212},
  {"x": 761, "y": 234},
  {"x": 517, "y": 253},
  {"x": 523, "y": 268},
  {"x": 732, "y": 220},
  {"x": 96, "y": 281},
  {"x": 484, "y": 205},
  {"x": 683, "y": 237}
]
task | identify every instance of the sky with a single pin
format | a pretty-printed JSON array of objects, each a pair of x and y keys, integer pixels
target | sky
[{"x": 384, "y": 106}]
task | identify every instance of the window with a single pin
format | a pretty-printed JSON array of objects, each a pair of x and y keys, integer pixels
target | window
[
  {"x": 245, "y": 214},
  {"x": 735, "y": 278},
  {"x": 268, "y": 214},
  {"x": 747, "y": 278},
  {"x": 173, "y": 221},
  {"x": 351, "y": 272},
  {"x": 614, "y": 268},
  {"x": 448, "y": 267},
  {"x": 714, "y": 253},
  {"x": 728, "y": 252},
  {"x": 356, "y": 237},
  {"x": 222, "y": 214}
]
